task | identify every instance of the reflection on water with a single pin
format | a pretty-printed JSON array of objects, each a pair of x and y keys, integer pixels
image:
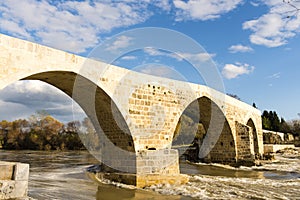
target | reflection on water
[
  {"x": 60, "y": 175},
  {"x": 106, "y": 192},
  {"x": 56, "y": 175}
]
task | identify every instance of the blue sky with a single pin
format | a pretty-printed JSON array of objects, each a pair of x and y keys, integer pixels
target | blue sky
[{"x": 254, "y": 44}]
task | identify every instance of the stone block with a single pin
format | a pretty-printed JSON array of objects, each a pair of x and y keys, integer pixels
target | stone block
[
  {"x": 10, "y": 189},
  {"x": 140, "y": 181},
  {"x": 140, "y": 100},
  {"x": 21, "y": 172},
  {"x": 158, "y": 179},
  {"x": 6, "y": 171},
  {"x": 13, "y": 180}
]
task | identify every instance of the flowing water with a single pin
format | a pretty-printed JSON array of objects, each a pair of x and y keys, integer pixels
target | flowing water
[{"x": 60, "y": 175}]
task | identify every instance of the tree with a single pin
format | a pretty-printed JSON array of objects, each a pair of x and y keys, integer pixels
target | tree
[
  {"x": 270, "y": 121},
  {"x": 275, "y": 122},
  {"x": 89, "y": 136},
  {"x": 266, "y": 123},
  {"x": 41, "y": 132},
  {"x": 294, "y": 9},
  {"x": 234, "y": 96},
  {"x": 73, "y": 126},
  {"x": 70, "y": 136},
  {"x": 50, "y": 125},
  {"x": 284, "y": 127},
  {"x": 295, "y": 127}
]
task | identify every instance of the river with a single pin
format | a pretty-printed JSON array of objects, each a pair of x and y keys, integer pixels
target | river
[{"x": 60, "y": 175}]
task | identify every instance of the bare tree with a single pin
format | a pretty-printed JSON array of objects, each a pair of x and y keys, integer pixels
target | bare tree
[{"x": 294, "y": 7}]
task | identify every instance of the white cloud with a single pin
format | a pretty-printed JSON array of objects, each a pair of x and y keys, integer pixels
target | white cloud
[
  {"x": 231, "y": 71},
  {"x": 274, "y": 76},
  {"x": 197, "y": 57},
  {"x": 77, "y": 26},
  {"x": 202, "y": 9},
  {"x": 69, "y": 25},
  {"x": 129, "y": 58},
  {"x": 120, "y": 42},
  {"x": 154, "y": 52},
  {"x": 163, "y": 4},
  {"x": 255, "y": 4},
  {"x": 11, "y": 111},
  {"x": 160, "y": 70},
  {"x": 23, "y": 98},
  {"x": 239, "y": 48},
  {"x": 274, "y": 28},
  {"x": 14, "y": 27},
  {"x": 180, "y": 56}
]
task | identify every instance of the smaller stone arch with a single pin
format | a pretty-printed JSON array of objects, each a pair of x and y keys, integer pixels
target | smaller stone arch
[
  {"x": 251, "y": 124},
  {"x": 197, "y": 127}
]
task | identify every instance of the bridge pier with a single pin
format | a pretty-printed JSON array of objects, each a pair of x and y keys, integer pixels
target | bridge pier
[
  {"x": 159, "y": 167},
  {"x": 137, "y": 113},
  {"x": 153, "y": 167},
  {"x": 245, "y": 145}
]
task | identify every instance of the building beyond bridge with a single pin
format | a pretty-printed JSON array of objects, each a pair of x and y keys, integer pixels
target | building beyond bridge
[{"x": 136, "y": 115}]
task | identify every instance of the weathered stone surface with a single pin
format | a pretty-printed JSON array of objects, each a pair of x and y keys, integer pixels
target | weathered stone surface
[
  {"x": 15, "y": 184},
  {"x": 273, "y": 148},
  {"x": 6, "y": 171},
  {"x": 136, "y": 113},
  {"x": 21, "y": 172},
  {"x": 244, "y": 142},
  {"x": 158, "y": 179},
  {"x": 271, "y": 137},
  {"x": 139, "y": 180},
  {"x": 164, "y": 161}
]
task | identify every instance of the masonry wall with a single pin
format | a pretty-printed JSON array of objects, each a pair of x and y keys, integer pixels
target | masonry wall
[
  {"x": 149, "y": 105},
  {"x": 242, "y": 113},
  {"x": 164, "y": 161},
  {"x": 244, "y": 142},
  {"x": 224, "y": 150},
  {"x": 273, "y": 148},
  {"x": 153, "y": 110}
]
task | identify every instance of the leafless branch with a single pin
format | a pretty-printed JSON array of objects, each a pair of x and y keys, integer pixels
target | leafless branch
[{"x": 295, "y": 10}]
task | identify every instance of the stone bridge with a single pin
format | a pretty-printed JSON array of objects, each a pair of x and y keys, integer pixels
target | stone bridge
[{"x": 136, "y": 115}]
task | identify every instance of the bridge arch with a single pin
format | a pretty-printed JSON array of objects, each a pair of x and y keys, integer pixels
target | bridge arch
[
  {"x": 251, "y": 124},
  {"x": 197, "y": 126},
  {"x": 114, "y": 85},
  {"x": 113, "y": 132}
]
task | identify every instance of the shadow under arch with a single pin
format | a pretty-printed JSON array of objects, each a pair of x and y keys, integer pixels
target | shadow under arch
[
  {"x": 192, "y": 130},
  {"x": 115, "y": 140},
  {"x": 251, "y": 124}
]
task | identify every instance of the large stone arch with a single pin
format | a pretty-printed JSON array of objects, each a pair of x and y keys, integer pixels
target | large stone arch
[
  {"x": 199, "y": 124},
  {"x": 116, "y": 146}
]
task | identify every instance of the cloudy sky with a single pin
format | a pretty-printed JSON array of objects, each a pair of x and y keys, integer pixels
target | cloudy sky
[{"x": 255, "y": 45}]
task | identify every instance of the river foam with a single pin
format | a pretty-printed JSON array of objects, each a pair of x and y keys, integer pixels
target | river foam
[
  {"x": 60, "y": 175},
  {"x": 214, "y": 187}
]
